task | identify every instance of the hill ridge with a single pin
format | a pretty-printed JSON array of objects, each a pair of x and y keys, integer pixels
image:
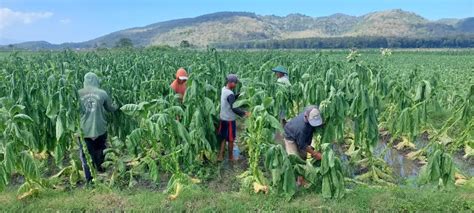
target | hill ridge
[{"x": 234, "y": 26}]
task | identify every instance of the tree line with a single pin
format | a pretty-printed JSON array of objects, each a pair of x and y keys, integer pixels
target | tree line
[{"x": 458, "y": 41}]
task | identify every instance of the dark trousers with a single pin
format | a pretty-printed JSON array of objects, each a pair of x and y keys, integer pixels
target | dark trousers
[{"x": 96, "y": 150}]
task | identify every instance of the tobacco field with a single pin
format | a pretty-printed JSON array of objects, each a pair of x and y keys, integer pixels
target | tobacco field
[{"x": 417, "y": 107}]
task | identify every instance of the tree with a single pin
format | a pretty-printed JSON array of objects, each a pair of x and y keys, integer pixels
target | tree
[
  {"x": 124, "y": 43},
  {"x": 184, "y": 44}
]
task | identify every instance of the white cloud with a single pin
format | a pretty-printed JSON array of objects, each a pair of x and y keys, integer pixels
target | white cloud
[
  {"x": 65, "y": 21},
  {"x": 9, "y": 17}
]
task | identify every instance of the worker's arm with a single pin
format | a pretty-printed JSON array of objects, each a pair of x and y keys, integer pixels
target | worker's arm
[
  {"x": 108, "y": 105},
  {"x": 306, "y": 145},
  {"x": 231, "y": 99},
  {"x": 81, "y": 107},
  {"x": 313, "y": 153}
]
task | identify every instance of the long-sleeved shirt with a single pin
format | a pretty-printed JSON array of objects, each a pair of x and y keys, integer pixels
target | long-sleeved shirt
[
  {"x": 94, "y": 103},
  {"x": 231, "y": 99},
  {"x": 299, "y": 130},
  {"x": 179, "y": 88},
  {"x": 176, "y": 86}
]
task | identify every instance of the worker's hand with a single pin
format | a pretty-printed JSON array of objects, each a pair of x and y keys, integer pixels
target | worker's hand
[
  {"x": 241, "y": 94},
  {"x": 247, "y": 114},
  {"x": 316, "y": 155}
]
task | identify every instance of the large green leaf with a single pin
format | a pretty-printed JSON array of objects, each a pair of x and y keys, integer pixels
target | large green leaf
[
  {"x": 15, "y": 109},
  {"x": 28, "y": 166},
  {"x": 326, "y": 187},
  {"x": 131, "y": 109},
  {"x": 59, "y": 128},
  {"x": 22, "y": 118},
  {"x": 3, "y": 178},
  {"x": 241, "y": 103}
]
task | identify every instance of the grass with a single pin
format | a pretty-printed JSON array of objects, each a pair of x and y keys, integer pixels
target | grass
[{"x": 207, "y": 200}]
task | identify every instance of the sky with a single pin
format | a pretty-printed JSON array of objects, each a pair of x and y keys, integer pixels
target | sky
[{"x": 59, "y": 21}]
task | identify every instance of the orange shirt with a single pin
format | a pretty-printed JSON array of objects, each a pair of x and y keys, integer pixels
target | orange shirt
[{"x": 179, "y": 88}]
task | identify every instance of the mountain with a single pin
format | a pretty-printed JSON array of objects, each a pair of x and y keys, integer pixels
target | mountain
[
  {"x": 389, "y": 23},
  {"x": 447, "y": 21},
  {"x": 225, "y": 27},
  {"x": 466, "y": 25},
  {"x": 36, "y": 45}
]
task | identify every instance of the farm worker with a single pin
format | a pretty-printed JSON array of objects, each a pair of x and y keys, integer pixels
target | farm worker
[
  {"x": 94, "y": 103},
  {"x": 179, "y": 84},
  {"x": 228, "y": 115},
  {"x": 299, "y": 133},
  {"x": 282, "y": 75}
]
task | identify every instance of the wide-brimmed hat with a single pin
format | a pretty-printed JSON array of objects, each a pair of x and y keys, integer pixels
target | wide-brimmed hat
[
  {"x": 280, "y": 69},
  {"x": 314, "y": 117}
]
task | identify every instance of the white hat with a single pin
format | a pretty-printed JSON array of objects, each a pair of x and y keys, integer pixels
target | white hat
[
  {"x": 183, "y": 78},
  {"x": 314, "y": 117}
]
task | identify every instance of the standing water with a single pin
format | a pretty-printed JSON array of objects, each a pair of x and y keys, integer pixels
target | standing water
[{"x": 401, "y": 166}]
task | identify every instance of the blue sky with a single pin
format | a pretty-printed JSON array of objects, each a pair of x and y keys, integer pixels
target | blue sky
[{"x": 60, "y": 21}]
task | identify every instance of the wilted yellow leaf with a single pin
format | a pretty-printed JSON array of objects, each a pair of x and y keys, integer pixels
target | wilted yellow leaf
[
  {"x": 177, "y": 191},
  {"x": 259, "y": 187},
  {"x": 405, "y": 143},
  {"x": 469, "y": 151},
  {"x": 460, "y": 182},
  {"x": 416, "y": 155},
  {"x": 445, "y": 139},
  {"x": 458, "y": 175},
  {"x": 30, "y": 193},
  {"x": 195, "y": 180}
]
